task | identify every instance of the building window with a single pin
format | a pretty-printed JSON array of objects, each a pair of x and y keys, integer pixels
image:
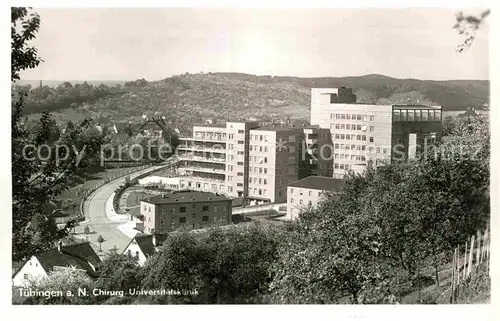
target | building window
[
  {"x": 372, "y": 128},
  {"x": 215, "y": 209},
  {"x": 205, "y": 208},
  {"x": 310, "y": 193},
  {"x": 337, "y": 136},
  {"x": 372, "y": 118},
  {"x": 358, "y": 137},
  {"x": 265, "y": 181},
  {"x": 364, "y": 137},
  {"x": 411, "y": 114},
  {"x": 336, "y": 166},
  {"x": 204, "y": 218},
  {"x": 347, "y": 136},
  {"x": 240, "y": 163},
  {"x": 265, "y": 170},
  {"x": 342, "y": 116},
  {"x": 336, "y": 146},
  {"x": 342, "y": 126},
  {"x": 291, "y": 190},
  {"x": 336, "y": 156},
  {"x": 337, "y": 116},
  {"x": 182, "y": 209},
  {"x": 240, "y": 174},
  {"x": 301, "y": 192},
  {"x": 359, "y": 117},
  {"x": 425, "y": 115},
  {"x": 378, "y": 150},
  {"x": 371, "y": 139},
  {"x": 396, "y": 115},
  {"x": 265, "y": 192},
  {"x": 261, "y": 137},
  {"x": 291, "y": 200},
  {"x": 337, "y": 126},
  {"x": 260, "y": 191},
  {"x": 300, "y": 202},
  {"x": 342, "y": 136},
  {"x": 348, "y": 126},
  {"x": 265, "y": 160},
  {"x": 241, "y": 142},
  {"x": 358, "y": 127},
  {"x": 182, "y": 220},
  {"x": 239, "y": 184},
  {"x": 417, "y": 115},
  {"x": 385, "y": 151}
]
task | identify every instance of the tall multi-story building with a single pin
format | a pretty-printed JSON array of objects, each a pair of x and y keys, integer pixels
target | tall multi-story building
[
  {"x": 251, "y": 162},
  {"x": 363, "y": 133}
]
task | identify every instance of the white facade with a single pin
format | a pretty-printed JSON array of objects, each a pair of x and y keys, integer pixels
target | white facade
[
  {"x": 360, "y": 132},
  {"x": 30, "y": 271},
  {"x": 134, "y": 250}
]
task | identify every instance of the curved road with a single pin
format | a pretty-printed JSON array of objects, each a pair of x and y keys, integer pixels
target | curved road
[{"x": 97, "y": 218}]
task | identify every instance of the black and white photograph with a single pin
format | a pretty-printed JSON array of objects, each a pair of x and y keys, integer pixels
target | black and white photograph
[{"x": 250, "y": 156}]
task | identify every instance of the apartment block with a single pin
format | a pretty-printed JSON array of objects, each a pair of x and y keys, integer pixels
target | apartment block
[
  {"x": 251, "y": 162},
  {"x": 308, "y": 192},
  {"x": 165, "y": 213},
  {"x": 367, "y": 133}
]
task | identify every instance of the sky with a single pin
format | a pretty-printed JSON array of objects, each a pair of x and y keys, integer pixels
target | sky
[{"x": 156, "y": 43}]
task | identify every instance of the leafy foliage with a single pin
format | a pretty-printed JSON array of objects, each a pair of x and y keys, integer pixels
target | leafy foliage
[
  {"x": 39, "y": 173},
  {"x": 225, "y": 266}
]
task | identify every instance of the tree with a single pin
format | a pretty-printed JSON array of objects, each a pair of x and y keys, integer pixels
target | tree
[
  {"x": 118, "y": 272},
  {"x": 36, "y": 180},
  {"x": 467, "y": 25},
  {"x": 63, "y": 280},
  {"x": 333, "y": 254}
]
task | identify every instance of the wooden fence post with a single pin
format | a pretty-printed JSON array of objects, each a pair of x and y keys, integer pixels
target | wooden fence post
[
  {"x": 453, "y": 276},
  {"x": 471, "y": 254},
  {"x": 478, "y": 247},
  {"x": 465, "y": 260}
]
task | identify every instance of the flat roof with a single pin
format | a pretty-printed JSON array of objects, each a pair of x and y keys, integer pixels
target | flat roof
[
  {"x": 318, "y": 182},
  {"x": 416, "y": 106},
  {"x": 186, "y": 197},
  {"x": 210, "y": 125},
  {"x": 277, "y": 128}
]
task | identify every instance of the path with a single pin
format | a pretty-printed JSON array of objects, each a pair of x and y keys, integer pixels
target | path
[{"x": 100, "y": 216}]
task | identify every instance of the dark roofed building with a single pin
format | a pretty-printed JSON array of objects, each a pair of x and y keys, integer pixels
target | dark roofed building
[
  {"x": 141, "y": 247},
  {"x": 80, "y": 257},
  {"x": 186, "y": 197},
  {"x": 308, "y": 192},
  {"x": 152, "y": 128},
  {"x": 318, "y": 183},
  {"x": 188, "y": 209}
]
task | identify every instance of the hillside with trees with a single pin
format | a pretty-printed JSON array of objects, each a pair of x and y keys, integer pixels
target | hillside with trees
[{"x": 189, "y": 98}]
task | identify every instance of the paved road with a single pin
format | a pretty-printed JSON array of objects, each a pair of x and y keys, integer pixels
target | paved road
[{"x": 97, "y": 210}]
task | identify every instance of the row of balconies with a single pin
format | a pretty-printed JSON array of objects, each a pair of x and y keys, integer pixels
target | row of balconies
[
  {"x": 204, "y": 169},
  {"x": 222, "y": 149},
  {"x": 202, "y": 159}
]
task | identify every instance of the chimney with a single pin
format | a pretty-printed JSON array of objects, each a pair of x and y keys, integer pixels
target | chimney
[{"x": 59, "y": 246}]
